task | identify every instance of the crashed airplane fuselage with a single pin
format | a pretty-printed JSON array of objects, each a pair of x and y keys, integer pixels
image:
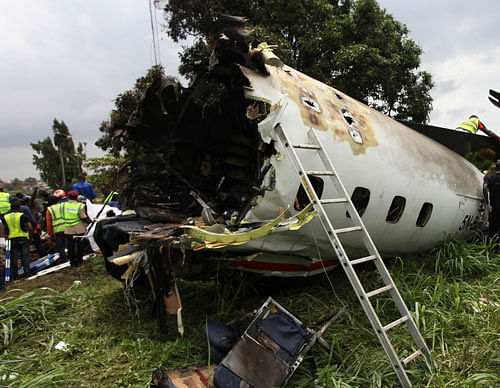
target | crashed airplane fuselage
[
  {"x": 410, "y": 190},
  {"x": 212, "y": 150}
]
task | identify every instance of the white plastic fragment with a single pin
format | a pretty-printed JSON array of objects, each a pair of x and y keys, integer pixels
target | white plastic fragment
[
  {"x": 9, "y": 376},
  {"x": 61, "y": 346}
]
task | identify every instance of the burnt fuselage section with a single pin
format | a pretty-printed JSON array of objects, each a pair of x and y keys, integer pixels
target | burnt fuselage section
[{"x": 197, "y": 142}]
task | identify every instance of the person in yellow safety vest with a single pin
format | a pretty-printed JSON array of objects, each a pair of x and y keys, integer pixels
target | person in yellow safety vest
[
  {"x": 74, "y": 215},
  {"x": 473, "y": 125},
  {"x": 56, "y": 225},
  {"x": 16, "y": 227},
  {"x": 4, "y": 201}
]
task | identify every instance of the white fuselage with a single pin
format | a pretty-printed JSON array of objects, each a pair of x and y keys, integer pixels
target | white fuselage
[{"x": 371, "y": 151}]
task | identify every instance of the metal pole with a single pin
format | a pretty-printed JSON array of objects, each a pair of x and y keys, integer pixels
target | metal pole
[{"x": 62, "y": 167}]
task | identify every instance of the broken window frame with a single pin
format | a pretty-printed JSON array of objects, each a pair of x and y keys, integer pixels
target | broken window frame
[
  {"x": 424, "y": 215},
  {"x": 396, "y": 209},
  {"x": 301, "y": 199}
]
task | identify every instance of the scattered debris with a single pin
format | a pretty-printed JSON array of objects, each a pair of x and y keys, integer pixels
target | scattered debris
[
  {"x": 57, "y": 267},
  {"x": 190, "y": 377},
  {"x": 61, "y": 345},
  {"x": 269, "y": 351},
  {"x": 483, "y": 303},
  {"x": 9, "y": 376}
]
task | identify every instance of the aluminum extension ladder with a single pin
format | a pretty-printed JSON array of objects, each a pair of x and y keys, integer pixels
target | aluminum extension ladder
[{"x": 348, "y": 264}]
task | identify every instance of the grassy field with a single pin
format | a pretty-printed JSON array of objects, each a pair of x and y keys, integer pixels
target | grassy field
[{"x": 454, "y": 293}]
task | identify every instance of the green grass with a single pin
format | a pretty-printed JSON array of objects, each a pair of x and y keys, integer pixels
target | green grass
[{"x": 453, "y": 293}]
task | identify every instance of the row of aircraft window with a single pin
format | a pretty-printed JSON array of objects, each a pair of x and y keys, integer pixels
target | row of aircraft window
[{"x": 361, "y": 196}]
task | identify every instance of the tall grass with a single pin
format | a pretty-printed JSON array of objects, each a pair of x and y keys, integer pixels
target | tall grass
[
  {"x": 452, "y": 292},
  {"x": 22, "y": 311},
  {"x": 459, "y": 257}
]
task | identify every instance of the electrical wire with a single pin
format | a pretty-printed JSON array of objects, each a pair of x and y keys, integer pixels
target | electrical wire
[
  {"x": 153, "y": 31},
  {"x": 157, "y": 35},
  {"x": 324, "y": 268}
]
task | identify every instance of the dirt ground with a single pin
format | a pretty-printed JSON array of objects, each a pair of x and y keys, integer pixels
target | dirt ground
[{"x": 60, "y": 280}]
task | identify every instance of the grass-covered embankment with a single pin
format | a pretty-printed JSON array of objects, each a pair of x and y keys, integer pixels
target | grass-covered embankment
[{"x": 454, "y": 293}]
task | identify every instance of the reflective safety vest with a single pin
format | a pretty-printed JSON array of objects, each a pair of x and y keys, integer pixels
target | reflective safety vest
[
  {"x": 56, "y": 212},
  {"x": 4, "y": 202},
  {"x": 110, "y": 196},
  {"x": 71, "y": 211},
  {"x": 471, "y": 125},
  {"x": 13, "y": 221}
]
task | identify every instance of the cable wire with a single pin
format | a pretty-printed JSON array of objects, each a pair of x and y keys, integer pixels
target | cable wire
[
  {"x": 324, "y": 268},
  {"x": 153, "y": 32}
]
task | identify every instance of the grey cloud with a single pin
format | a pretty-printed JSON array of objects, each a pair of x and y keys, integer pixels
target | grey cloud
[{"x": 68, "y": 60}]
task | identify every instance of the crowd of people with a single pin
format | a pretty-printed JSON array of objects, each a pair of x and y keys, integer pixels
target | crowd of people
[{"x": 61, "y": 214}]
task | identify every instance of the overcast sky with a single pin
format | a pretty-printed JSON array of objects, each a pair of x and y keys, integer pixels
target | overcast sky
[{"x": 69, "y": 60}]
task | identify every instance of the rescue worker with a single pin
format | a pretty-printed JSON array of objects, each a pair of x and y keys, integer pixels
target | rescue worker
[
  {"x": 473, "y": 125},
  {"x": 74, "y": 215},
  {"x": 56, "y": 225},
  {"x": 84, "y": 188},
  {"x": 61, "y": 195},
  {"x": 4, "y": 201},
  {"x": 16, "y": 227},
  {"x": 35, "y": 232},
  {"x": 491, "y": 192}
]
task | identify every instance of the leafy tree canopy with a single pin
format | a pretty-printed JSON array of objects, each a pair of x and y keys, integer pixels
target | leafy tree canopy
[
  {"x": 104, "y": 172},
  {"x": 50, "y": 152},
  {"x": 125, "y": 103},
  {"x": 352, "y": 45}
]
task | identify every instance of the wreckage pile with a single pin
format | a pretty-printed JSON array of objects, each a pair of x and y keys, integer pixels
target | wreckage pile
[{"x": 199, "y": 146}]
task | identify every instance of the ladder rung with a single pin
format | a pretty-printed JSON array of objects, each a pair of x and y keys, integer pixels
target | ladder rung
[
  {"x": 347, "y": 230},
  {"x": 307, "y": 146},
  {"x": 320, "y": 173},
  {"x": 395, "y": 323},
  {"x": 378, "y": 291},
  {"x": 363, "y": 260},
  {"x": 411, "y": 357},
  {"x": 333, "y": 200}
]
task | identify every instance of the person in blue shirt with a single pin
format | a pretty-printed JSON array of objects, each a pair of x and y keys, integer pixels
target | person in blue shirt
[{"x": 84, "y": 188}]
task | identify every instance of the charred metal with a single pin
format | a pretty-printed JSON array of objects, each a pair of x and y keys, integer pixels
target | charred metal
[{"x": 200, "y": 144}]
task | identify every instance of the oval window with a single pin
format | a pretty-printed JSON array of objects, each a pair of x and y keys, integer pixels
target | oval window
[
  {"x": 360, "y": 198},
  {"x": 396, "y": 210},
  {"x": 424, "y": 215}
]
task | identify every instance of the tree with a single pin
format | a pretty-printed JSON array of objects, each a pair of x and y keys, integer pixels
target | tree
[
  {"x": 125, "y": 103},
  {"x": 51, "y": 154},
  {"x": 354, "y": 46},
  {"x": 104, "y": 171}
]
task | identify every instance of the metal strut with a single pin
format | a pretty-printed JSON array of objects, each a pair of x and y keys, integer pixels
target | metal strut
[{"x": 349, "y": 264}]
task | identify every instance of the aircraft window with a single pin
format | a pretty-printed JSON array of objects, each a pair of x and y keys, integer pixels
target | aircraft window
[
  {"x": 311, "y": 104},
  {"x": 301, "y": 201},
  {"x": 360, "y": 198},
  {"x": 347, "y": 116},
  {"x": 396, "y": 210},
  {"x": 424, "y": 215},
  {"x": 339, "y": 96}
]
